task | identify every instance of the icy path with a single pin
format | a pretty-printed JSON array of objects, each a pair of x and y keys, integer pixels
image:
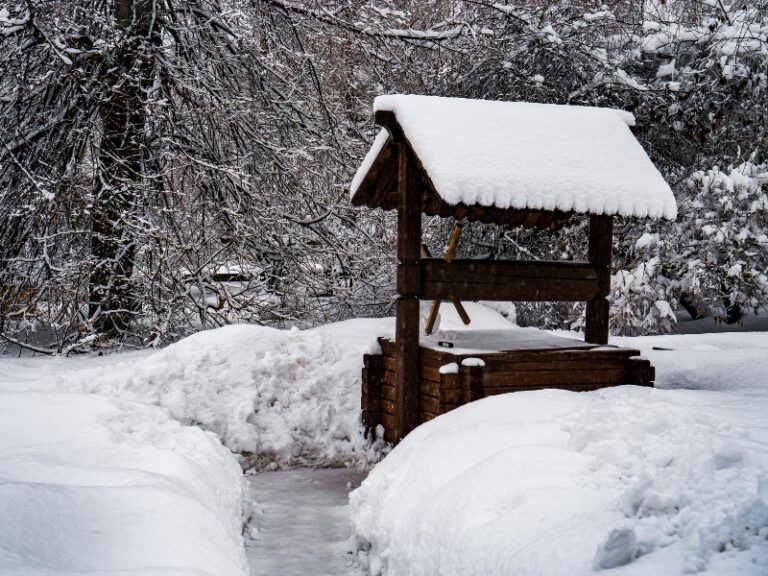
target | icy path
[{"x": 302, "y": 523}]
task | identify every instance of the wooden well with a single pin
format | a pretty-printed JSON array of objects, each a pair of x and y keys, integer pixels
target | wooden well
[
  {"x": 557, "y": 363},
  {"x": 404, "y": 386}
]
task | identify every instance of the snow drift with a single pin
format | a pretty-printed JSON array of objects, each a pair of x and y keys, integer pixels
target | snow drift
[
  {"x": 93, "y": 485},
  {"x": 632, "y": 480},
  {"x": 279, "y": 397}
]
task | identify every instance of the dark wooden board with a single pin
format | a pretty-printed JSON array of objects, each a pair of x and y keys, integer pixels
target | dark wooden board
[
  {"x": 507, "y": 280},
  {"x": 513, "y": 379}
]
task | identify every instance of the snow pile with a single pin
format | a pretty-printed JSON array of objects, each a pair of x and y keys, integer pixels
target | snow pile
[
  {"x": 639, "y": 481},
  {"x": 92, "y": 485},
  {"x": 279, "y": 397},
  {"x": 726, "y": 362},
  {"x": 524, "y": 155}
]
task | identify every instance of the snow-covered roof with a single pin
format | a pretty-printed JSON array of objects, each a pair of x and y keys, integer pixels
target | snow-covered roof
[{"x": 523, "y": 156}]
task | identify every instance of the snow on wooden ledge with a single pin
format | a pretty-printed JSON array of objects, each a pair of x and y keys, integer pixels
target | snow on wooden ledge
[{"x": 527, "y": 156}]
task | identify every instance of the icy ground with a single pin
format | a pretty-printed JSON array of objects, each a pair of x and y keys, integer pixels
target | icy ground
[{"x": 300, "y": 524}]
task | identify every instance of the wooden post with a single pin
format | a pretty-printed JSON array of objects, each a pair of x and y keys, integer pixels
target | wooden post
[
  {"x": 598, "y": 309},
  {"x": 408, "y": 313},
  {"x": 472, "y": 382},
  {"x": 373, "y": 374}
]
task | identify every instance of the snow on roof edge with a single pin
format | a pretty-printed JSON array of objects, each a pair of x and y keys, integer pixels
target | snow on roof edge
[
  {"x": 387, "y": 102},
  {"x": 370, "y": 158},
  {"x": 592, "y": 164}
]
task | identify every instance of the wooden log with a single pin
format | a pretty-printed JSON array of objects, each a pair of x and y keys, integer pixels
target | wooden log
[
  {"x": 373, "y": 373},
  {"x": 447, "y": 407},
  {"x": 388, "y": 392},
  {"x": 430, "y": 388},
  {"x": 550, "y": 355},
  {"x": 390, "y": 378},
  {"x": 425, "y": 372},
  {"x": 427, "y": 375},
  {"x": 473, "y": 382},
  {"x": 600, "y": 254},
  {"x": 441, "y": 271},
  {"x": 430, "y": 404},
  {"x": 507, "y": 280},
  {"x": 388, "y": 407},
  {"x": 452, "y": 395},
  {"x": 515, "y": 379},
  {"x": 494, "y": 390},
  {"x": 460, "y": 310},
  {"x": 434, "y": 359},
  {"x": 432, "y": 318},
  {"x": 587, "y": 363},
  {"x": 388, "y": 422},
  {"x": 428, "y": 356},
  {"x": 453, "y": 244},
  {"x": 641, "y": 371},
  {"x": 451, "y": 381},
  {"x": 407, "y": 308}
]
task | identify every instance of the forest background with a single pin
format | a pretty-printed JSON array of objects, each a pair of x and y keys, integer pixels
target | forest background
[{"x": 173, "y": 165}]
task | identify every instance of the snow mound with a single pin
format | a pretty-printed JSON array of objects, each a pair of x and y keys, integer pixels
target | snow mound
[
  {"x": 551, "y": 483},
  {"x": 93, "y": 485},
  {"x": 718, "y": 362},
  {"x": 279, "y": 397}
]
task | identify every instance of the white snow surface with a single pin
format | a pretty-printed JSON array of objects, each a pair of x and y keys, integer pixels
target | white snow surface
[
  {"x": 524, "y": 155},
  {"x": 631, "y": 481},
  {"x": 279, "y": 397},
  {"x": 95, "y": 485}
]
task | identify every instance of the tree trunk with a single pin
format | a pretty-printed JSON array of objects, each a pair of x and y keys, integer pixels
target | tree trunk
[{"x": 118, "y": 190}]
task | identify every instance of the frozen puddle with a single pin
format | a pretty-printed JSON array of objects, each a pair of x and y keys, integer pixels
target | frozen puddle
[{"x": 301, "y": 523}]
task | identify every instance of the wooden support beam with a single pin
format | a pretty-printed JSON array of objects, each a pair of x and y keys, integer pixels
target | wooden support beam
[
  {"x": 472, "y": 383},
  {"x": 507, "y": 280},
  {"x": 407, "y": 308},
  {"x": 600, "y": 254},
  {"x": 373, "y": 376}
]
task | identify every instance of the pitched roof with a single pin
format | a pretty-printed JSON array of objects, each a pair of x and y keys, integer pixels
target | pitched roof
[{"x": 517, "y": 155}]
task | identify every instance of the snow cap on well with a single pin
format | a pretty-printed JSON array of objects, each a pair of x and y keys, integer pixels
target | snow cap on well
[{"x": 527, "y": 156}]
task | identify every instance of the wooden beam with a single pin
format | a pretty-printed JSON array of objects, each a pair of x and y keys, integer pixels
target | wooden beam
[
  {"x": 407, "y": 307},
  {"x": 388, "y": 120},
  {"x": 600, "y": 254},
  {"x": 507, "y": 280},
  {"x": 373, "y": 375}
]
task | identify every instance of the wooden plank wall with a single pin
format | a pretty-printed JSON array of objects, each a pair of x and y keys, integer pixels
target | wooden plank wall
[{"x": 510, "y": 371}]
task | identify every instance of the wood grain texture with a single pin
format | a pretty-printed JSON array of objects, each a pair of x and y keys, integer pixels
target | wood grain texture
[
  {"x": 507, "y": 280},
  {"x": 600, "y": 255},
  {"x": 407, "y": 307}
]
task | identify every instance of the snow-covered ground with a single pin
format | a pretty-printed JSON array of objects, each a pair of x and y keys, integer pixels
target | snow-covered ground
[
  {"x": 630, "y": 480},
  {"x": 95, "y": 485},
  {"x": 281, "y": 397},
  {"x": 100, "y": 470},
  {"x": 300, "y": 524},
  {"x": 95, "y": 474}
]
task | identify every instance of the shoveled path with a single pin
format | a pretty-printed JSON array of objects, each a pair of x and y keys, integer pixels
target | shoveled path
[{"x": 301, "y": 523}]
